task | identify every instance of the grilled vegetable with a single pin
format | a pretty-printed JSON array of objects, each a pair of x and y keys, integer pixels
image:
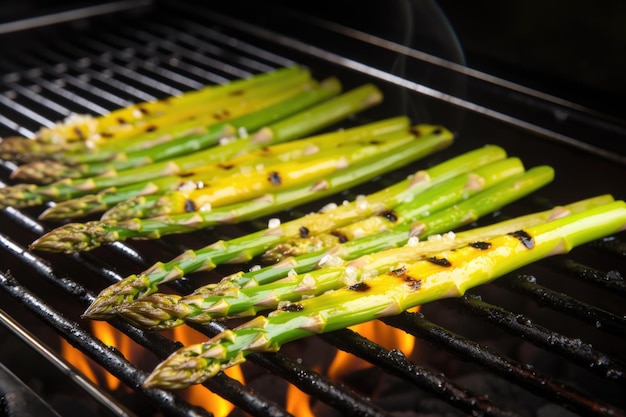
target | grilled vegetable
[
  {"x": 83, "y": 132},
  {"x": 163, "y": 138},
  {"x": 283, "y": 152},
  {"x": 235, "y": 296},
  {"x": 242, "y": 186},
  {"x": 246, "y": 247},
  {"x": 300, "y": 124},
  {"x": 445, "y": 274},
  {"x": 76, "y": 237}
]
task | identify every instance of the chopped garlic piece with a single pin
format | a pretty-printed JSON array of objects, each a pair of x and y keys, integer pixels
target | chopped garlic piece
[{"x": 273, "y": 223}]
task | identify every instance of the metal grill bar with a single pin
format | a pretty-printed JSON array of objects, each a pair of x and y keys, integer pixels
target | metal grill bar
[
  {"x": 601, "y": 319},
  {"x": 125, "y": 371},
  {"x": 396, "y": 363},
  {"x": 611, "y": 280},
  {"x": 111, "y": 60},
  {"x": 519, "y": 325},
  {"x": 308, "y": 381},
  {"x": 533, "y": 381},
  {"x": 96, "y": 350},
  {"x": 103, "y": 398}
]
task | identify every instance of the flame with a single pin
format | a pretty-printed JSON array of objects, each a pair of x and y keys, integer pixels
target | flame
[
  {"x": 196, "y": 395},
  {"x": 298, "y": 403},
  {"x": 111, "y": 337},
  {"x": 378, "y": 332},
  {"x": 81, "y": 362}
]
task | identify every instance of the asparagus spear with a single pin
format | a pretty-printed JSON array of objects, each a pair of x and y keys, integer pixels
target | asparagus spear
[
  {"x": 81, "y": 128},
  {"x": 283, "y": 152},
  {"x": 242, "y": 296},
  {"x": 198, "y": 139},
  {"x": 447, "y": 274},
  {"x": 264, "y": 179},
  {"x": 154, "y": 140},
  {"x": 300, "y": 124},
  {"x": 244, "y": 248},
  {"x": 75, "y": 237}
]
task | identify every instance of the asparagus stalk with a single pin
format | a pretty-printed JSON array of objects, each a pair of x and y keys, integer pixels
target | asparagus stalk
[
  {"x": 242, "y": 296},
  {"x": 202, "y": 137},
  {"x": 78, "y": 129},
  {"x": 244, "y": 186},
  {"x": 166, "y": 137},
  {"x": 283, "y": 152},
  {"x": 298, "y": 125},
  {"x": 75, "y": 237},
  {"x": 245, "y": 247},
  {"x": 449, "y": 273}
]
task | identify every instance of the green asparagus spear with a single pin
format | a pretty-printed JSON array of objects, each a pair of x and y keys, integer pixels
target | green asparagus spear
[
  {"x": 75, "y": 237},
  {"x": 446, "y": 274},
  {"x": 230, "y": 297},
  {"x": 283, "y": 152},
  {"x": 244, "y": 248},
  {"x": 83, "y": 131},
  {"x": 243, "y": 186},
  {"x": 194, "y": 136},
  {"x": 298, "y": 125},
  {"x": 159, "y": 140}
]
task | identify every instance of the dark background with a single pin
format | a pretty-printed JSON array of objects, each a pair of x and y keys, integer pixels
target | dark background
[{"x": 575, "y": 49}]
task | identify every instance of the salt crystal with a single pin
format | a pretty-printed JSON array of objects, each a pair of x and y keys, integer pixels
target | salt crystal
[
  {"x": 273, "y": 223},
  {"x": 242, "y": 132},
  {"x": 292, "y": 273},
  {"x": 255, "y": 268},
  {"x": 226, "y": 140},
  {"x": 328, "y": 207},
  {"x": 413, "y": 241},
  {"x": 350, "y": 275},
  {"x": 187, "y": 186},
  {"x": 436, "y": 237}
]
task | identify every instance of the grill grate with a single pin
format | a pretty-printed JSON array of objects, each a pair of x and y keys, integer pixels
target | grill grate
[{"x": 169, "y": 50}]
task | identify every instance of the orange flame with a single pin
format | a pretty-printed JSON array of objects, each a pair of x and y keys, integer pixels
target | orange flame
[
  {"x": 298, "y": 402},
  {"x": 197, "y": 395},
  {"x": 378, "y": 332}
]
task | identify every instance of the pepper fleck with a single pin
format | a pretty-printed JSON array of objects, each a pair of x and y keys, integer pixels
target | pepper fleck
[
  {"x": 292, "y": 307},
  {"x": 340, "y": 236},
  {"x": 413, "y": 283},
  {"x": 151, "y": 128},
  {"x": 275, "y": 178},
  {"x": 304, "y": 232},
  {"x": 390, "y": 215},
  {"x": 359, "y": 287},
  {"x": 481, "y": 245},
  {"x": 399, "y": 271},
  {"x": 525, "y": 238},
  {"x": 190, "y": 206},
  {"x": 439, "y": 261}
]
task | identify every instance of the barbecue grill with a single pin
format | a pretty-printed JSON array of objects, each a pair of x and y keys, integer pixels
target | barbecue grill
[{"x": 548, "y": 339}]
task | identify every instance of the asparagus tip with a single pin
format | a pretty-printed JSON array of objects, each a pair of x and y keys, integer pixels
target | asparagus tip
[
  {"x": 191, "y": 365},
  {"x": 73, "y": 237},
  {"x": 108, "y": 302},
  {"x": 154, "y": 312},
  {"x": 44, "y": 172},
  {"x": 77, "y": 207}
]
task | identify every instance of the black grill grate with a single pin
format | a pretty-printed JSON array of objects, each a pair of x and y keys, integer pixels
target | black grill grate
[{"x": 161, "y": 50}]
